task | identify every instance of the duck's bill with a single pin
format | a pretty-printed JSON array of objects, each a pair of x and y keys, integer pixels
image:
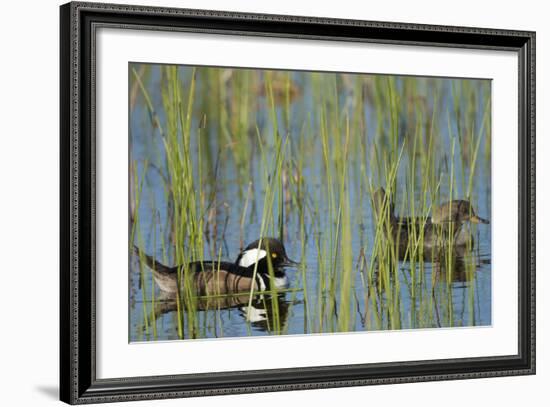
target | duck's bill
[
  {"x": 290, "y": 263},
  {"x": 477, "y": 219}
]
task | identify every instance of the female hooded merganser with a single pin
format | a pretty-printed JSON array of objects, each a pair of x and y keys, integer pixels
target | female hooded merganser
[
  {"x": 213, "y": 277},
  {"x": 449, "y": 216}
]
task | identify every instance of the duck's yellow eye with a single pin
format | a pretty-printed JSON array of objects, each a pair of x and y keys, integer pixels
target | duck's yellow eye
[{"x": 274, "y": 255}]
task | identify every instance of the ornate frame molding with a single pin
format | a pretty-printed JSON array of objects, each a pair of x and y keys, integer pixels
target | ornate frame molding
[{"x": 77, "y": 247}]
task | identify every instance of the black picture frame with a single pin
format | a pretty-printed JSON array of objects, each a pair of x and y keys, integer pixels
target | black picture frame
[{"x": 78, "y": 382}]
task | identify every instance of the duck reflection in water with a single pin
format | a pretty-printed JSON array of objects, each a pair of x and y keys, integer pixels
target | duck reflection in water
[
  {"x": 460, "y": 269},
  {"x": 266, "y": 313}
]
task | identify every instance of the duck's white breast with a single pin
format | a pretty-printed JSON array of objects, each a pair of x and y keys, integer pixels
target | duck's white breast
[{"x": 280, "y": 282}]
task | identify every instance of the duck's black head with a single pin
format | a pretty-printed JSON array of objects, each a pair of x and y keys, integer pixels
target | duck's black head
[{"x": 258, "y": 252}]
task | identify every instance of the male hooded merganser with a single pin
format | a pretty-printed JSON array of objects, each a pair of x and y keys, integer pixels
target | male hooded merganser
[
  {"x": 213, "y": 277},
  {"x": 449, "y": 216}
]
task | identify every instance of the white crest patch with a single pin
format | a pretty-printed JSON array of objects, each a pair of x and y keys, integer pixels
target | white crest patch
[{"x": 251, "y": 256}]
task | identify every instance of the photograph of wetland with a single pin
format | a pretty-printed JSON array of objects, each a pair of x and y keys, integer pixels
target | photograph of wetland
[{"x": 272, "y": 202}]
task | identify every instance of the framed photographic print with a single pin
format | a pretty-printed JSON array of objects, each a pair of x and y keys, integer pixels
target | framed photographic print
[{"x": 257, "y": 203}]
